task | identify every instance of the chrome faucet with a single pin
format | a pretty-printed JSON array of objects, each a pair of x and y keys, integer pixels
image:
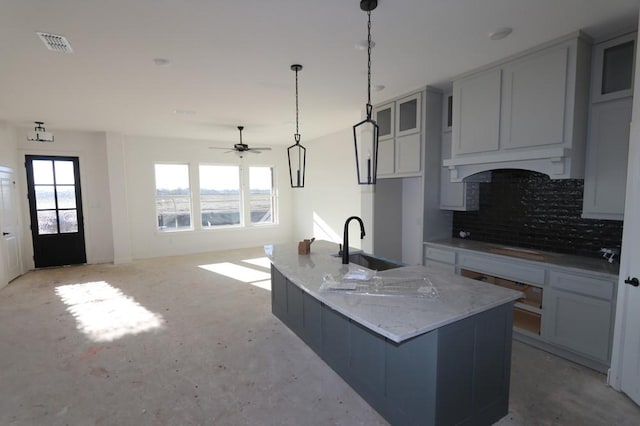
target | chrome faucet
[{"x": 345, "y": 238}]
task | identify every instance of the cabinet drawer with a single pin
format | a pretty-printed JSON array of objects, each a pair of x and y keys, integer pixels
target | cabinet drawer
[
  {"x": 581, "y": 284},
  {"x": 446, "y": 267},
  {"x": 445, "y": 256},
  {"x": 511, "y": 270}
]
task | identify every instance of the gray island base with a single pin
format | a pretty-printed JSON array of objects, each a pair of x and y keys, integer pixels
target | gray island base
[{"x": 417, "y": 361}]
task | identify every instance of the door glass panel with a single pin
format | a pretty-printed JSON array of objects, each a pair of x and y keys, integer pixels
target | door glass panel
[
  {"x": 408, "y": 115},
  {"x": 42, "y": 172},
  {"x": 617, "y": 68},
  {"x": 68, "y": 221},
  {"x": 383, "y": 118},
  {"x": 64, "y": 172},
  {"x": 45, "y": 197},
  {"x": 47, "y": 222},
  {"x": 66, "y": 196}
]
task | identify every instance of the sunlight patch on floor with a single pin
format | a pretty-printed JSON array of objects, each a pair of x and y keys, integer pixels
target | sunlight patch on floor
[
  {"x": 259, "y": 261},
  {"x": 104, "y": 313},
  {"x": 240, "y": 273},
  {"x": 262, "y": 284}
]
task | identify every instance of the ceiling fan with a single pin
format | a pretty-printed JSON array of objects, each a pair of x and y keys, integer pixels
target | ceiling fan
[{"x": 241, "y": 148}]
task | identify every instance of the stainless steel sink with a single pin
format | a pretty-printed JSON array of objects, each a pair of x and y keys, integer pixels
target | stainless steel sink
[{"x": 374, "y": 263}]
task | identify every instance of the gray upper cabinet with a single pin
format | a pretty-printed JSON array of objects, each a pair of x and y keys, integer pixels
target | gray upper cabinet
[
  {"x": 609, "y": 127},
  {"x": 613, "y": 68},
  {"x": 408, "y": 115},
  {"x": 447, "y": 112},
  {"x": 385, "y": 117},
  {"x": 400, "y": 137},
  {"x": 606, "y": 165},
  {"x": 531, "y": 108},
  {"x": 535, "y": 94},
  {"x": 476, "y": 116},
  {"x": 461, "y": 196}
]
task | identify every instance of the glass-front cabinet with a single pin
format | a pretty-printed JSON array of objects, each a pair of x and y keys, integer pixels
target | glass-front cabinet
[
  {"x": 408, "y": 116},
  {"x": 400, "y": 136},
  {"x": 385, "y": 117},
  {"x": 613, "y": 68}
]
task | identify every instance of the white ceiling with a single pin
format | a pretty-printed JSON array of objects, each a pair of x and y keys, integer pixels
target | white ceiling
[{"x": 230, "y": 60}]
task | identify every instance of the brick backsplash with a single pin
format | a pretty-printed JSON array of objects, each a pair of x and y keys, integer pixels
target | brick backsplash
[{"x": 528, "y": 209}]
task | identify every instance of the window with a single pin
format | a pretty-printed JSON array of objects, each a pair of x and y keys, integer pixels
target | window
[
  {"x": 225, "y": 196},
  {"x": 220, "y": 196},
  {"x": 261, "y": 195},
  {"x": 173, "y": 197}
]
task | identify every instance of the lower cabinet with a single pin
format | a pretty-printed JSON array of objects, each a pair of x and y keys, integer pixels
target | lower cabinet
[
  {"x": 565, "y": 312},
  {"x": 456, "y": 374},
  {"x": 580, "y": 314}
]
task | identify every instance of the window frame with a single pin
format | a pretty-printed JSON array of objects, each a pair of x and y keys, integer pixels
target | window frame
[
  {"x": 273, "y": 197},
  {"x": 190, "y": 197}
]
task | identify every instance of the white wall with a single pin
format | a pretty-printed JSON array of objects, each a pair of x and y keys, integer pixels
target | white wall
[
  {"x": 139, "y": 156},
  {"x": 90, "y": 148},
  {"x": 8, "y": 146},
  {"x": 331, "y": 193},
  {"x": 118, "y": 193}
]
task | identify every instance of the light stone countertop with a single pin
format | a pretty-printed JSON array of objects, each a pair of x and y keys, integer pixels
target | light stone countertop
[
  {"x": 396, "y": 317},
  {"x": 564, "y": 261}
]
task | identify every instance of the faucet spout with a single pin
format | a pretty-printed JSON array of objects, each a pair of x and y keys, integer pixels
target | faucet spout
[{"x": 345, "y": 238}]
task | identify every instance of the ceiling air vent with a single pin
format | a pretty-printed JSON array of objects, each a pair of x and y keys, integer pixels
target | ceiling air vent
[{"x": 55, "y": 42}]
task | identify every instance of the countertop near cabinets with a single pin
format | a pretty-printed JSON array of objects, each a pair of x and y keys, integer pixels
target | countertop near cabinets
[
  {"x": 396, "y": 318},
  {"x": 579, "y": 263}
]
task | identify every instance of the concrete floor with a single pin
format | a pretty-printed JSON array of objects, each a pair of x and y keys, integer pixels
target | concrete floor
[{"x": 166, "y": 342}]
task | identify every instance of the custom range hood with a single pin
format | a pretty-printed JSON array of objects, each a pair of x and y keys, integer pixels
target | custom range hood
[
  {"x": 557, "y": 163},
  {"x": 526, "y": 112}
]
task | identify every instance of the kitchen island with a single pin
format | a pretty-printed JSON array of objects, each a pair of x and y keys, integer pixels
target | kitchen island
[{"x": 435, "y": 358}]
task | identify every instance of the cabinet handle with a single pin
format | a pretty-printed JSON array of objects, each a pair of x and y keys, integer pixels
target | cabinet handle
[{"x": 632, "y": 281}]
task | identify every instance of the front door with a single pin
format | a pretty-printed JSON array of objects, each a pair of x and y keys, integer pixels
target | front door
[
  {"x": 9, "y": 225},
  {"x": 56, "y": 210}
]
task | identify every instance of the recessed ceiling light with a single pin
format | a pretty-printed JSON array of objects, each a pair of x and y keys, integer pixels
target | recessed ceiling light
[
  {"x": 362, "y": 45},
  {"x": 500, "y": 33},
  {"x": 161, "y": 62}
]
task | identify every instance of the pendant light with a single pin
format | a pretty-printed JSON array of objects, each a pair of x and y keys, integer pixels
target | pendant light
[
  {"x": 365, "y": 133},
  {"x": 297, "y": 153}
]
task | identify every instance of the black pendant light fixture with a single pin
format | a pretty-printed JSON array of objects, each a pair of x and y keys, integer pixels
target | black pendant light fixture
[
  {"x": 365, "y": 133},
  {"x": 297, "y": 153}
]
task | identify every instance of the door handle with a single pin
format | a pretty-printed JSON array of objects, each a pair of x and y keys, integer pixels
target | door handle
[
  {"x": 4, "y": 234},
  {"x": 632, "y": 281}
]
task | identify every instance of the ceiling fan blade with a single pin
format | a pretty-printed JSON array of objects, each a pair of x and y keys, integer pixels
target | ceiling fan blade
[
  {"x": 217, "y": 147},
  {"x": 260, "y": 149}
]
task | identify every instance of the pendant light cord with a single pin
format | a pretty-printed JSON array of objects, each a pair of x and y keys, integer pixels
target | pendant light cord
[
  {"x": 369, "y": 58},
  {"x": 297, "y": 135},
  {"x": 369, "y": 106}
]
